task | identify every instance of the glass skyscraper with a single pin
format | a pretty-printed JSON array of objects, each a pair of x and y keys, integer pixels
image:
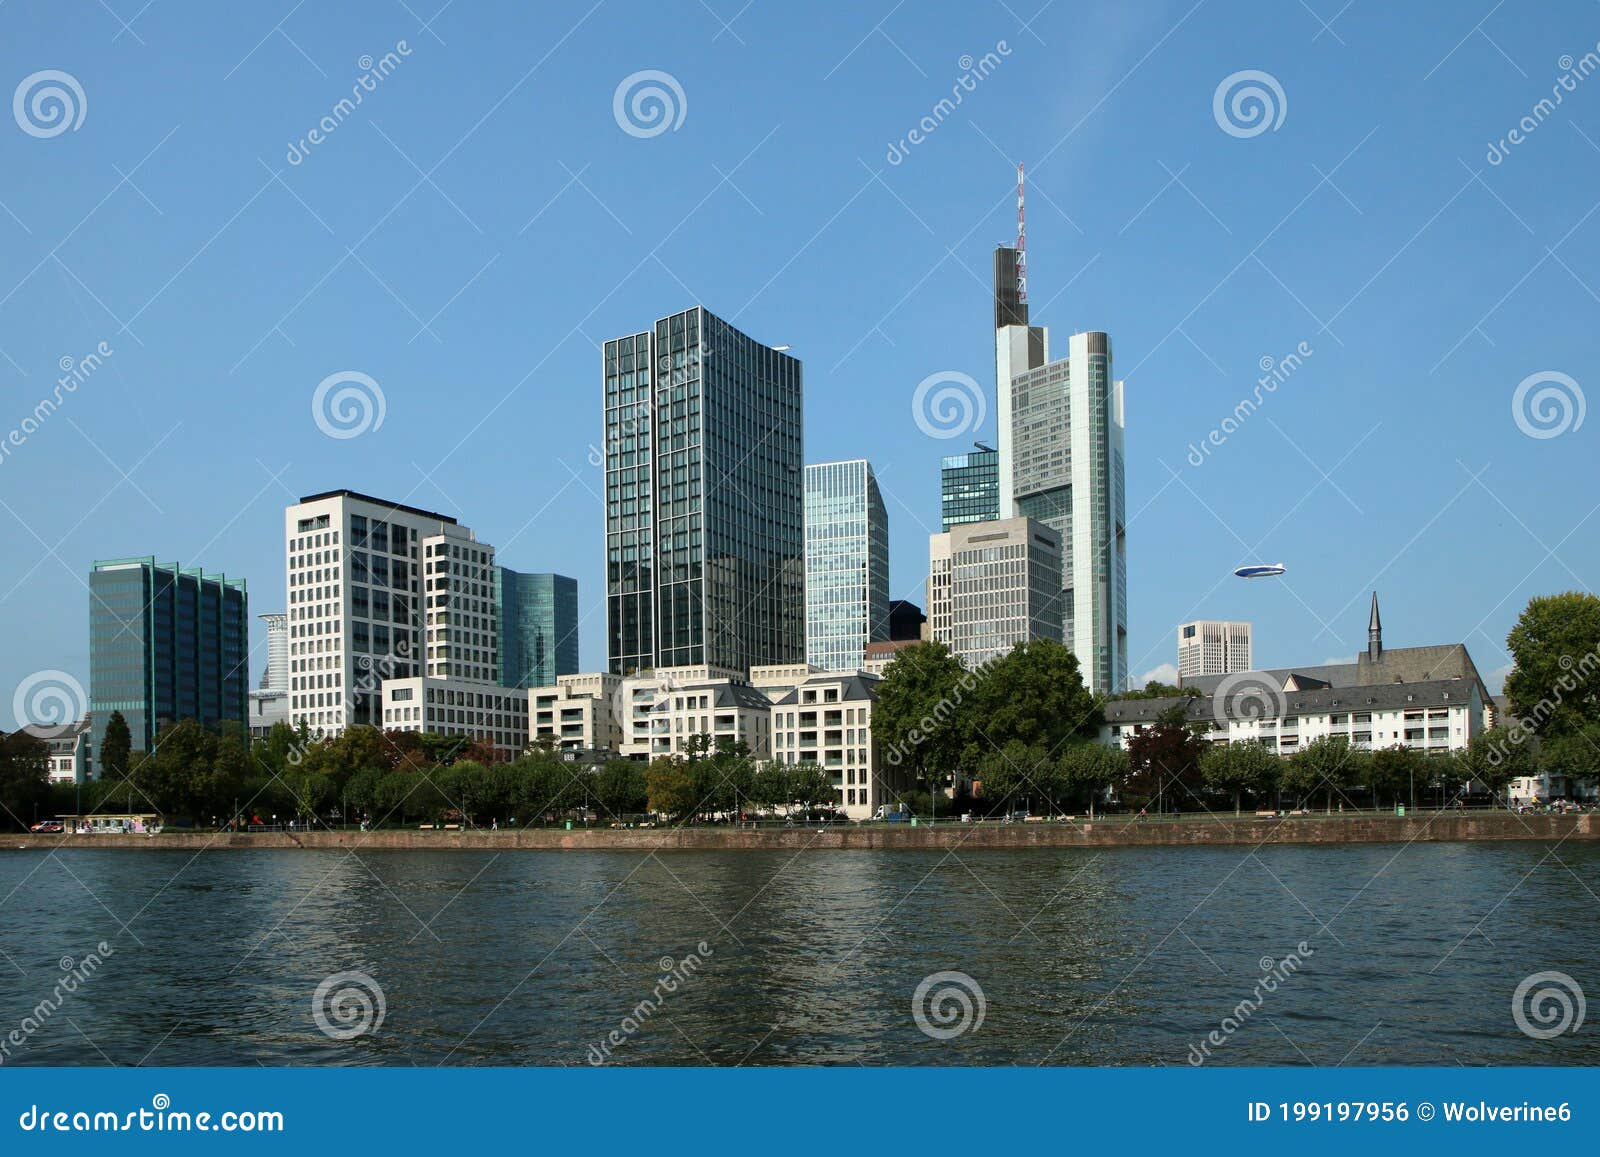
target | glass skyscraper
[
  {"x": 970, "y": 485},
  {"x": 704, "y": 508},
  {"x": 847, "y": 564},
  {"x": 538, "y": 624},
  {"x": 165, "y": 644}
]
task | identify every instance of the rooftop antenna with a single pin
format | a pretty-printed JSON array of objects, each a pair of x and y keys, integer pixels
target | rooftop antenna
[{"x": 1022, "y": 242}]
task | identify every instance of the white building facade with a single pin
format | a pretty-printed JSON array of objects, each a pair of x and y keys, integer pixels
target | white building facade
[
  {"x": 1212, "y": 647},
  {"x": 474, "y": 711},
  {"x": 992, "y": 585}
]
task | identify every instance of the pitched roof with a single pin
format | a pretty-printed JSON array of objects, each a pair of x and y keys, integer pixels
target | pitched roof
[
  {"x": 1315, "y": 701},
  {"x": 853, "y": 687}
]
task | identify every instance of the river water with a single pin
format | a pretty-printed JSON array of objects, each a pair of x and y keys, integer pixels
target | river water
[{"x": 1411, "y": 955}]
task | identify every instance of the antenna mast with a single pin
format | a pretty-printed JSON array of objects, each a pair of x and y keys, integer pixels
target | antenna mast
[{"x": 1022, "y": 242}]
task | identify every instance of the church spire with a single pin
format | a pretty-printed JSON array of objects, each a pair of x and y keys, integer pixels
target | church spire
[{"x": 1374, "y": 632}]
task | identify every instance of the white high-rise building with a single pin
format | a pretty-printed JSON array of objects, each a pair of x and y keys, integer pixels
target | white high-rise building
[
  {"x": 992, "y": 585},
  {"x": 380, "y": 590},
  {"x": 1212, "y": 647},
  {"x": 1018, "y": 348}
]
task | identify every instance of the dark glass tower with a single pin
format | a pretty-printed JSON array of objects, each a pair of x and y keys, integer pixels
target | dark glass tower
[
  {"x": 165, "y": 644},
  {"x": 970, "y": 487},
  {"x": 705, "y": 549},
  {"x": 537, "y": 616}
]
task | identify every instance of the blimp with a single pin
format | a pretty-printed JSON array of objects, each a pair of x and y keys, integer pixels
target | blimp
[{"x": 1260, "y": 570}]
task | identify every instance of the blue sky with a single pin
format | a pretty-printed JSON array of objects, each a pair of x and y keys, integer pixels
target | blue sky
[{"x": 472, "y": 230}]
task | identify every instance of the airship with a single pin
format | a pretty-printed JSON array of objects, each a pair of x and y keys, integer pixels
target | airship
[{"x": 1260, "y": 570}]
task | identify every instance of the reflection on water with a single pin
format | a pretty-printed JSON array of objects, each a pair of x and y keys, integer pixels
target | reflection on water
[{"x": 1120, "y": 956}]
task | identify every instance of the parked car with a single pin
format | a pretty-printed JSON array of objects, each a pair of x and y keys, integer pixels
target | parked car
[{"x": 48, "y": 827}]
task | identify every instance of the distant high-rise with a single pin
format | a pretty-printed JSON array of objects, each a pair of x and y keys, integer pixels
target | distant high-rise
[
  {"x": 992, "y": 585},
  {"x": 905, "y": 621},
  {"x": 847, "y": 564},
  {"x": 705, "y": 548},
  {"x": 165, "y": 644},
  {"x": 1212, "y": 647},
  {"x": 1018, "y": 346},
  {"x": 970, "y": 487},
  {"x": 538, "y": 616},
  {"x": 276, "y": 676},
  {"x": 1067, "y": 423}
]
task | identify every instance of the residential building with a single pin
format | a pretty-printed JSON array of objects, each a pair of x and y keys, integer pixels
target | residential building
[
  {"x": 474, "y": 710},
  {"x": 727, "y": 710},
  {"x": 69, "y": 759},
  {"x": 538, "y": 616},
  {"x": 992, "y": 585},
  {"x": 827, "y": 720},
  {"x": 906, "y": 621},
  {"x": 847, "y": 564},
  {"x": 1212, "y": 647},
  {"x": 970, "y": 487},
  {"x": 576, "y": 713},
  {"x": 165, "y": 644},
  {"x": 1066, "y": 421},
  {"x": 704, "y": 504}
]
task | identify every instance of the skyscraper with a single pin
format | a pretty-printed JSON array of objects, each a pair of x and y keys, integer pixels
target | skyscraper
[
  {"x": 847, "y": 564},
  {"x": 992, "y": 585},
  {"x": 1018, "y": 347},
  {"x": 1212, "y": 647},
  {"x": 1067, "y": 472},
  {"x": 704, "y": 505},
  {"x": 276, "y": 676},
  {"x": 165, "y": 644},
  {"x": 970, "y": 487},
  {"x": 538, "y": 616}
]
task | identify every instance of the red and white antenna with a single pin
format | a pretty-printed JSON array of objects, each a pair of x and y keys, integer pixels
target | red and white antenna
[{"x": 1022, "y": 242}]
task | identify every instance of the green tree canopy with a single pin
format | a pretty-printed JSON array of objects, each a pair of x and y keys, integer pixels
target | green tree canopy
[
  {"x": 1554, "y": 686},
  {"x": 1238, "y": 768}
]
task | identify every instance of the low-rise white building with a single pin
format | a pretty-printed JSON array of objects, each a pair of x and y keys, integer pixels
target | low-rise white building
[
  {"x": 69, "y": 759},
  {"x": 494, "y": 715},
  {"x": 827, "y": 720},
  {"x": 576, "y": 713}
]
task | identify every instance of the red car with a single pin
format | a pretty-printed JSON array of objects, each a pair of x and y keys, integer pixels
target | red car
[{"x": 48, "y": 827}]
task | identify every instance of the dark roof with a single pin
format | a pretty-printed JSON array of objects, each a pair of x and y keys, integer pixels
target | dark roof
[
  {"x": 1400, "y": 665},
  {"x": 1373, "y": 697},
  {"x": 856, "y": 686},
  {"x": 724, "y": 694},
  {"x": 395, "y": 506}
]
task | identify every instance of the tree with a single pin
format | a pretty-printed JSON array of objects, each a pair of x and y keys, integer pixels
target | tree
[
  {"x": 115, "y": 748},
  {"x": 1237, "y": 768},
  {"x": 1155, "y": 689},
  {"x": 1554, "y": 687},
  {"x": 1033, "y": 694},
  {"x": 24, "y": 777},
  {"x": 620, "y": 788},
  {"x": 1014, "y": 772},
  {"x": 809, "y": 785},
  {"x": 1329, "y": 765},
  {"x": 1163, "y": 757},
  {"x": 1497, "y": 756},
  {"x": 668, "y": 788},
  {"x": 1395, "y": 770},
  {"x": 1091, "y": 769},
  {"x": 918, "y": 720}
]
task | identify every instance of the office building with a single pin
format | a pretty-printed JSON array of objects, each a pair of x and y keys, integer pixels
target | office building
[
  {"x": 380, "y": 590},
  {"x": 469, "y": 709},
  {"x": 1018, "y": 347},
  {"x": 269, "y": 702},
  {"x": 847, "y": 564},
  {"x": 1212, "y": 647},
  {"x": 538, "y": 616},
  {"x": 705, "y": 552},
  {"x": 992, "y": 585},
  {"x": 1068, "y": 473},
  {"x": 165, "y": 644},
  {"x": 906, "y": 621},
  {"x": 969, "y": 487}
]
